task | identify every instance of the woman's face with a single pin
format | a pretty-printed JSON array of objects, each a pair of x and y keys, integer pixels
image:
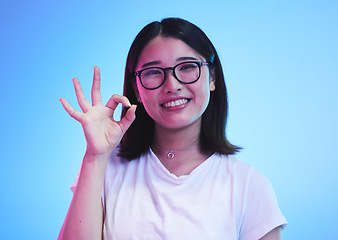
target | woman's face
[{"x": 174, "y": 105}]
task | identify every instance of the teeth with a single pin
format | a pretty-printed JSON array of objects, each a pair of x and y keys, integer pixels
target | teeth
[{"x": 175, "y": 103}]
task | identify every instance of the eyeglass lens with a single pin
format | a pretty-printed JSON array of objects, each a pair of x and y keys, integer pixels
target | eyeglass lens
[{"x": 186, "y": 72}]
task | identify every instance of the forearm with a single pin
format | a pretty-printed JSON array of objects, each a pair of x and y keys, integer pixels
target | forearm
[
  {"x": 103, "y": 134},
  {"x": 85, "y": 215}
]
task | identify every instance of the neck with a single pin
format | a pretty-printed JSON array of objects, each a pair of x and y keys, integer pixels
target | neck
[
  {"x": 183, "y": 144},
  {"x": 171, "y": 153},
  {"x": 177, "y": 139}
]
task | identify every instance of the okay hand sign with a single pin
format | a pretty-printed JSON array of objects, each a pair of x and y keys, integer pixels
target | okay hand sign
[{"x": 102, "y": 132}]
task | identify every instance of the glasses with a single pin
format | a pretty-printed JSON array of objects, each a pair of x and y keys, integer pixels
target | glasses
[{"x": 185, "y": 72}]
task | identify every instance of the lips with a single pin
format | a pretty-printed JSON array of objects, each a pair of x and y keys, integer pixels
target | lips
[{"x": 175, "y": 103}]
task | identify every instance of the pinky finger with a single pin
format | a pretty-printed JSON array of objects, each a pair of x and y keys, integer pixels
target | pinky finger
[{"x": 71, "y": 111}]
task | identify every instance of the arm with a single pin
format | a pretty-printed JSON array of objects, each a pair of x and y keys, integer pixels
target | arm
[
  {"x": 84, "y": 219},
  {"x": 275, "y": 234}
]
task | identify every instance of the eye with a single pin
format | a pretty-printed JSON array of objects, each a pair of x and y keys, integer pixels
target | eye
[
  {"x": 187, "y": 67},
  {"x": 152, "y": 72}
]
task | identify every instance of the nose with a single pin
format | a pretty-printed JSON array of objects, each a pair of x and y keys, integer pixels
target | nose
[{"x": 171, "y": 84}]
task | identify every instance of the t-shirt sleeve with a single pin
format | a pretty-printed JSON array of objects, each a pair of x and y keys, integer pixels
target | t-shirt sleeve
[
  {"x": 260, "y": 207},
  {"x": 74, "y": 185}
]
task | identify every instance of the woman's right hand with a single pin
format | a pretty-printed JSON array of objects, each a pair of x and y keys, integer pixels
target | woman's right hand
[{"x": 102, "y": 132}]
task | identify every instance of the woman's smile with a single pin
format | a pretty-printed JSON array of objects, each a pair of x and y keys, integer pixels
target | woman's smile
[
  {"x": 179, "y": 103},
  {"x": 174, "y": 104}
]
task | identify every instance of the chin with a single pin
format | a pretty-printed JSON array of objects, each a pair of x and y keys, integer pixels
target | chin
[{"x": 178, "y": 124}]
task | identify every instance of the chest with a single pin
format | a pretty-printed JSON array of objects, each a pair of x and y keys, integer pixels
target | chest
[{"x": 145, "y": 207}]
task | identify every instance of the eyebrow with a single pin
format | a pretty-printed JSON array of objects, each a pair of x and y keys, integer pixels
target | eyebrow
[
  {"x": 158, "y": 62},
  {"x": 150, "y": 64},
  {"x": 186, "y": 58}
]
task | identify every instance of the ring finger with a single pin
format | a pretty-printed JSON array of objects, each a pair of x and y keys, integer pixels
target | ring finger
[{"x": 81, "y": 99}]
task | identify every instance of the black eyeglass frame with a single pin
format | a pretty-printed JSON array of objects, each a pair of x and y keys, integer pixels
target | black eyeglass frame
[{"x": 199, "y": 64}]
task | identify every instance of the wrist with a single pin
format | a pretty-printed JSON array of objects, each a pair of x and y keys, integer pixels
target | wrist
[{"x": 90, "y": 157}]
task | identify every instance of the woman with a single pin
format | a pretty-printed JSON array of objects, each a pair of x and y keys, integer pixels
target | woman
[{"x": 165, "y": 170}]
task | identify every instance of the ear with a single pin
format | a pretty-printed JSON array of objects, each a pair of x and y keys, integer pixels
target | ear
[
  {"x": 212, "y": 83},
  {"x": 137, "y": 94},
  {"x": 212, "y": 86}
]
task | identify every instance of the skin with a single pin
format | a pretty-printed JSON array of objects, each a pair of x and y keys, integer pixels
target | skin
[
  {"x": 167, "y": 52},
  {"x": 176, "y": 128},
  {"x": 103, "y": 134}
]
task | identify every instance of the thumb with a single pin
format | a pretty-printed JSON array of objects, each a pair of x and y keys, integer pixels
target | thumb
[{"x": 128, "y": 118}]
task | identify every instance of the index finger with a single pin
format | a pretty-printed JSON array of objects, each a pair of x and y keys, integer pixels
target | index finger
[
  {"x": 96, "y": 93},
  {"x": 116, "y": 99}
]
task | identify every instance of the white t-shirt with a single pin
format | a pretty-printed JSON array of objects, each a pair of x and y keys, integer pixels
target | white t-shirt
[{"x": 222, "y": 198}]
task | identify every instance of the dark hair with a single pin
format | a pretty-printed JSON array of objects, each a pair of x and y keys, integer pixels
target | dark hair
[{"x": 139, "y": 136}]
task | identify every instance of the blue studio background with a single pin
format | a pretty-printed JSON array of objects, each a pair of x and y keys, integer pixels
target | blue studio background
[{"x": 280, "y": 60}]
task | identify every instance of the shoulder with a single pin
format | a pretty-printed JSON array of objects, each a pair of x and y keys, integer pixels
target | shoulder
[
  {"x": 250, "y": 178},
  {"x": 115, "y": 159},
  {"x": 250, "y": 187},
  {"x": 117, "y": 165},
  {"x": 244, "y": 180},
  {"x": 240, "y": 170},
  {"x": 257, "y": 200}
]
